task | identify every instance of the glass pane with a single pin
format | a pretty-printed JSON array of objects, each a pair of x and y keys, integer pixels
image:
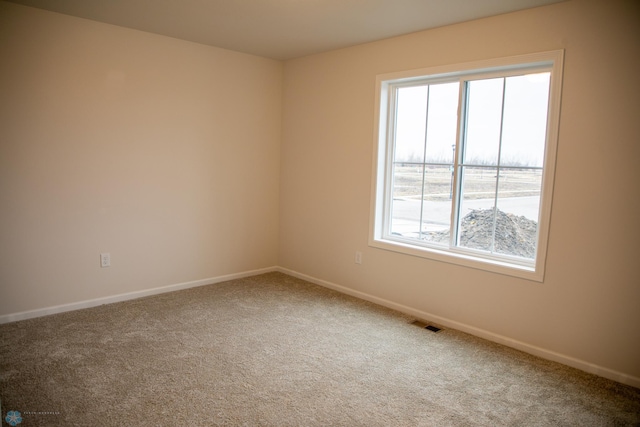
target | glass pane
[
  {"x": 525, "y": 120},
  {"x": 517, "y": 214},
  {"x": 476, "y": 215},
  {"x": 442, "y": 122},
  {"x": 405, "y": 206},
  {"x": 436, "y": 214},
  {"x": 411, "y": 116},
  {"x": 484, "y": 115}
]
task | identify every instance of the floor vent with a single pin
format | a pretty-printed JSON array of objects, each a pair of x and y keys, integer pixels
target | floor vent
[{"x": 424, "y": 325}]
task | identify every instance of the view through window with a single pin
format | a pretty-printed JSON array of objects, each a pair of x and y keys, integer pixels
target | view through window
[{"x": 462, "y": 160}]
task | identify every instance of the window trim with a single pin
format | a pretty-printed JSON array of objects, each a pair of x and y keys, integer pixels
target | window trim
[{"x": 380, "y": 206}]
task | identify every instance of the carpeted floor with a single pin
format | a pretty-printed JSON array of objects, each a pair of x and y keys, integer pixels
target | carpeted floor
[{"x": 272, "y": 350}]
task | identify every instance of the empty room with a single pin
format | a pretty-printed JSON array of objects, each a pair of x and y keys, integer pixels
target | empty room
[{"x": 319, "y": 212}]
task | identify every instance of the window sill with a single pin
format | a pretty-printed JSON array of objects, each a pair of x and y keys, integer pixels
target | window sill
[{"x": 462, "y": 259}]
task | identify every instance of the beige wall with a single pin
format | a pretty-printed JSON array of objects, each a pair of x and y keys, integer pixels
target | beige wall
[
  {"x": 588, "y": 307},
  {"x": 171, "y": 156},
  {"x": 162, "y": 152}
]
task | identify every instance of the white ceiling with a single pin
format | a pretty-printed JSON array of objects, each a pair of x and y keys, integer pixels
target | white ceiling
[{"x": 283, "y": 29}]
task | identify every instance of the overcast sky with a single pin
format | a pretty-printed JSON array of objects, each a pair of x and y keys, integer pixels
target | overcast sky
[{"x": 523, "y": 127}]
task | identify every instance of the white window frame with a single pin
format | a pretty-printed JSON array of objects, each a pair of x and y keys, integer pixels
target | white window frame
[{"x": 380, "y": 237}]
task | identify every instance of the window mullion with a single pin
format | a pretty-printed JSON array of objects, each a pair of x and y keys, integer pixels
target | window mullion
[
  {"x": 424, "y": 164},
  {"x": 457, "y": 159},
  {"x": 495, "y": 197}
]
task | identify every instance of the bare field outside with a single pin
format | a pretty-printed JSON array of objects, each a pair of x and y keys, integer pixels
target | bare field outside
[{"x": 479, "y": 183}]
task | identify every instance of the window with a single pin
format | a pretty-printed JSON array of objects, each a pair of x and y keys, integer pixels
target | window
[{"x": 465, "y": 160}]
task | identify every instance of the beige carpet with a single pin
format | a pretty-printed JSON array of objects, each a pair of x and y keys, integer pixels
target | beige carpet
[{"x": 272, "y": 350}]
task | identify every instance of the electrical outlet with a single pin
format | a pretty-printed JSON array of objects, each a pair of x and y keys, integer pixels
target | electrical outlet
[
  {"x": 105, "y": 260},
  {"x": 358, "y": 257}
]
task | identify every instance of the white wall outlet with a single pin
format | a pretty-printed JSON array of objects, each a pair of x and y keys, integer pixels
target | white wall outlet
[
  {"x": 105, "y": 260},
  {"x": 358, "y": 257}
]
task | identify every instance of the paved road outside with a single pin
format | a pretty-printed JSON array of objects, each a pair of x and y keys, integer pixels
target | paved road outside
[{"x": 406, "y": 212}]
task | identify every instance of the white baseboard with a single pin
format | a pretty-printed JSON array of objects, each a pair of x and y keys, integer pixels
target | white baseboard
[
  {"x": 14, "y": 317},
  {"x": 509, "y": 342}
]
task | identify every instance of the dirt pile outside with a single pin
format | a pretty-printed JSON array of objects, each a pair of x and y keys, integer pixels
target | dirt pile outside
[{"x": 515, "y": 235}]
